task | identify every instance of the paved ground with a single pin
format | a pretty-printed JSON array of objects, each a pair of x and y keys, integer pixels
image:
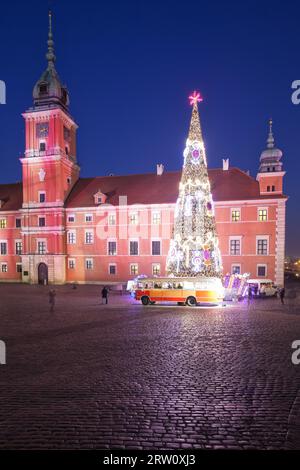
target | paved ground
[{"x": 127, "y": 376}]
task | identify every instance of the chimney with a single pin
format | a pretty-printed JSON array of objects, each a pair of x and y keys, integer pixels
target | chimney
[
  {"x": 225, "y": 164},
  {"x": 159, "y": 169}
]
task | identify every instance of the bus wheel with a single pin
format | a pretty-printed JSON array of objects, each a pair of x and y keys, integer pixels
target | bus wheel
[
  {"x": 191, "y": 301},
  {"x": 145, "y": 300},
  {"x": 152, "y": 302}
]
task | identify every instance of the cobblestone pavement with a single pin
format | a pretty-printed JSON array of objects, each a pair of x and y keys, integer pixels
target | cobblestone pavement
[{"x": 128, "y": 376}]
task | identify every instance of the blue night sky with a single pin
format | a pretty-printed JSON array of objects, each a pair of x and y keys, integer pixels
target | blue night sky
[{"x": 130, "y": 66}]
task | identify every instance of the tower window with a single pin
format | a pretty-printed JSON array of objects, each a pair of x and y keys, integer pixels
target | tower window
[
  {"x": 273, "y": 188},
  {"x": 268, "y": 189},
  {"x": 67, "y": 150},
  {"x": 42, "y": 197},
  {"x": 43, "y": 89},
  {"x": 42, "y": 146},
  {"x": 42, "y": 222}
]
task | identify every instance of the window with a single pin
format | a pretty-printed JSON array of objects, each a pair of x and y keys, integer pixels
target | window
[
  {"x": 156, "y": 218},
  {"x": 41, "y": 247},
  {"x": 112, "y": 269},
  {"x": 42, "y": 221},
  {"x": 133, "y": 219},
  {"x": 89, "y": 263},
  {"x": 262, "y": 246},
  {"x": 268, "y": 189},
  {"x": 236, "y": 269},
  {"x": 18, "y": 267},
  {"x": 18, "y": 223},
  {"x": 42, "y": 197},
  {"x": 3, "y": 248},
  {"x": 155, "y": 247},
  {"x": 235, "y": 246},
  {"x": 88, "y": 218},
  {"x": 42, "y": 146},
  {"x": 235, "y": 215},
  {"x": 134, "y": 248},
  {"x": 262, "y": 215},
  {"x": 3, "y": 223},
  {"x": 18, "y": 247},
  {"x": 4, "y": 268},
  {"x": 156, "y": 269},
  {"x": 67, "y": 150},
  {"x": 69, "y": 180},
  {"x": 71, "y": 218},
  {"x": 112, "y": 248},
  {"x": 71, "y": 237},
  {"x": 71, "y": 263},
  {"x": 134, "y": 270},
  {"x": 112, "y": 219},
  {"x": 273, "y": 188},
  {"x": 261, "y": 270},
  {"x": 89, "y": 238},
  {"x": 43, "y": 89}
]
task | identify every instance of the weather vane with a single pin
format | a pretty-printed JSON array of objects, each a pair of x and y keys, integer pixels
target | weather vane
[{"x": 195, "y": 98}]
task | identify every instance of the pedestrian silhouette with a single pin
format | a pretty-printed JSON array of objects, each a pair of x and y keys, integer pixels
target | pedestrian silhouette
[
  {"x": 281, "y": 295},
  {"x": 104, "y": 295}
]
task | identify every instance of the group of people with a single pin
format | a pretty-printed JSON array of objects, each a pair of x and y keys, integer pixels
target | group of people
[
  {"x": 52, "y": 296},
  {"x": 253, "y": 293}
]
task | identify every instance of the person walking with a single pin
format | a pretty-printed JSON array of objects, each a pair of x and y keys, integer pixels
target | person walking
[
  {"x": 282, "y": 295},
  {"x": 52, "y": 295},
  {"x": 104, "y": 295},
  {"x": 249, "y": 297}
]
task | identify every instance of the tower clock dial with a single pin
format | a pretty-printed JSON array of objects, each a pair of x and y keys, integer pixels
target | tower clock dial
[{"x": 42, "y": 129}]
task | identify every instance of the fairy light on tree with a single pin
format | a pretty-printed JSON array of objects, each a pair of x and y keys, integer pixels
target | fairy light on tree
[{"x": 194, "y": 247}]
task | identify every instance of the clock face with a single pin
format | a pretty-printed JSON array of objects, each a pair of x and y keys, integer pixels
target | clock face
[{"x": 42, "y": 129}]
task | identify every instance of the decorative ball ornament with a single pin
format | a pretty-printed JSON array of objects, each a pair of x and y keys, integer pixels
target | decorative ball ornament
[{"x": 197, "y": 260}]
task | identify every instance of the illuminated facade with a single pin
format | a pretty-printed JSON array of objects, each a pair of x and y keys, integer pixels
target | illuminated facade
[{"x": 57, "y": 227}]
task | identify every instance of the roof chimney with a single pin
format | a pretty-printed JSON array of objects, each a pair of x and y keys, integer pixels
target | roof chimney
[
  {"x": 159, "y": 169},
  {"x": 225, "y": 164}
]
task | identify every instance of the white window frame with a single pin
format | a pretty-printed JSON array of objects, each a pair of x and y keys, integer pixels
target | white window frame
[
  {"x": 236, "y": 265},
  {"x": 42, "y": 192},
  {"x": 112, "y": 264},
  {"x": 160, "y": 246},
  {"x": 41, "y": 217},
  {"x": 107, "y": 246},
  {"x": 93, "y": 236},
  {"x": 41, "y": 240},
  {"x": 136, "y": 216},
  {"x": 133, "y": 240},
  {"x": 18, "y": 264},
  {"x": 113, "y": 215},
  {"x": 263, "y": 237},
  {"x": 4, "y": 264},
  {"x": 88, "y": 221},
  {"x": 152, "y": 270},
  {"x": 5, "y": 220},
  {"x": 235, "y": 209},
  {"x": 20, "y": 219},
  {"x": 71, "y": 221},
  {"x": 155, "y": 213},
  {"x": 262, "y": 265},
  {"x": 18, "y": 240},
  {"x": 235, "y": 237},
  {"x": 73, "y": 260},
  {"x": 262, "y": 209},
  {"x": 92, "y": 264},
  {"x": 130, "y": 266},
  {"x": 6, "y": 243},
  {"x": 72, "y": 231}
]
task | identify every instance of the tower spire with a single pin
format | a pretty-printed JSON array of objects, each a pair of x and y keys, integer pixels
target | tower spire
[
  {"x": 195, "y": 127},
  {"x": 270, "y": 140},
  {"x": 50, "y": 56}
]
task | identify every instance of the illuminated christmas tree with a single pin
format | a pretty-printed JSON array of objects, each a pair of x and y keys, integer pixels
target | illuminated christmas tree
[{"x": 194, "y": 246}]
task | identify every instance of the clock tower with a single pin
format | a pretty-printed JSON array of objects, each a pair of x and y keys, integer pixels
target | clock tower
[{"x": 49, "y": 170}]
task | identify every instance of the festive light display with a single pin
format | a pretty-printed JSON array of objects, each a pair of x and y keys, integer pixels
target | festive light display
[{"x": 194, "y": 247}]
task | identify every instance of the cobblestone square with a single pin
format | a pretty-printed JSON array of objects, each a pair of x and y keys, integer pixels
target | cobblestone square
[{"x": 157, "y": 377}]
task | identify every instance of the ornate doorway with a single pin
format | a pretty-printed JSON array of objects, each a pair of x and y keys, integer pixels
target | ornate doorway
[{"x": 43, "y": 274}]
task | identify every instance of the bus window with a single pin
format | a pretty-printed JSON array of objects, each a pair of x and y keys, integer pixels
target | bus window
[
  {"x": 157, "y": 285},
  {"x": 178, "y": 285},
  {"x": 188, "y": 285},
  {"x": 167, "y": 285}
]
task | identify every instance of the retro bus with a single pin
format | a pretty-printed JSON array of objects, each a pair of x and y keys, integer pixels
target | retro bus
[{"x": 185, "y": 291}]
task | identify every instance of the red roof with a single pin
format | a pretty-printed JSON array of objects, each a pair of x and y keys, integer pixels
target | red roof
[
  {"x": 11, "y": 196},
  {"x": 150, "y": 188},
  {"x": 147, "y": 188}
]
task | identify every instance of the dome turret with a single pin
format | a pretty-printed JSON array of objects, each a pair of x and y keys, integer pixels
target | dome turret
[{"x": 271, "y": 156}]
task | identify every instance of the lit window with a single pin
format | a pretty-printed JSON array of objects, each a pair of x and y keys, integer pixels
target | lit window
[
  {"x": 133, "y": 219},
  {"x": 156, "y": 218},
  {"x": 236, "y": 269},
  {"x": 89, "y": 263},
  {"x": 42, "y": 221},
  {"x": 18, "y": 267},
  {"x": 42, "y": 197},
  {"x": 41, "y": 248},
  {"x": 112, "y": 219},
  {"x": 3, "y": 223},
  {"x": 134, "y": 270},
  {"x": 134, "y": 248},
  {"x": 18, "y": 248},
  {"x": 261, "y": 270},
  {"x": 262, "y": 246},
  {"x": 18, "y": 223},
  {"x": 156, "y": 247},
  {"x": 3, "y": 248},
  {"x": 156, "y": 269},
  {"x": 88, "y": 218},
  {"x": 112, "y": 248},
  {"x": 71, "y": 263},
  {"x": 89, "y": 238},
  {"x": 262, "y": 215},
  {"x": 4, "y": 268},
  {"x": 71, "y": 237},
  {"x": 235, "y": 215},
  {"x": 112, "y": 269},
  {"x": 235, "y": 246}
]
